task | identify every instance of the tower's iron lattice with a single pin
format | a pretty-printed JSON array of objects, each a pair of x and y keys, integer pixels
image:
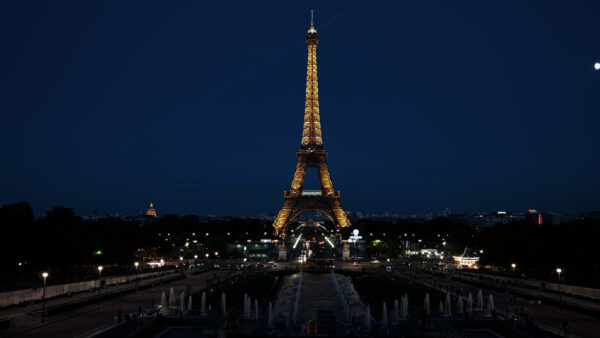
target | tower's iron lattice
[{"x": 311, "y": 154}]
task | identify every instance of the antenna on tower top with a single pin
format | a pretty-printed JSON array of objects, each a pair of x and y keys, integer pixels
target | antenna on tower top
[{"x": 312, "y": 21}]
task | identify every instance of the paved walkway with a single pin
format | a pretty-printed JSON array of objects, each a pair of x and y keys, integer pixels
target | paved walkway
[
  {"x": 546, "y": 316},
  {"x": 36, "y": 308},
  {"x": 85, "y": 321},
  {"x": 542, "y": 294}
]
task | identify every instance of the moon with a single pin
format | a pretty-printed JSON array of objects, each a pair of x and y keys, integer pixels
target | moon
[{"x": 597, "y": 66}]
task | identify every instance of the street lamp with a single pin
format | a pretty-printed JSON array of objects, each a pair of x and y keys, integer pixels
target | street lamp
[
  {"x": 181, "y": 260},
  {"x": 45, "y": 275},
  {"x": 162, "y": 264},
  {"x": 513, "y": 266},
  {"x": 136, "y": 264},
  {"x": 558, "y": 271},
  {"x": 99, "y": 281}
]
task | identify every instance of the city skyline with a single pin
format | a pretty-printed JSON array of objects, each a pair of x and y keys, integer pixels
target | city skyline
[
  {"x": 182, "y": 169},
  {"x": 107, "y": 111}
]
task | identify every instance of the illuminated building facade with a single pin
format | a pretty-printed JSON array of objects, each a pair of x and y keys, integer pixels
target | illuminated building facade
[
  {"x": 311, "y": 155},
  {"x": 151, "y": 211}
]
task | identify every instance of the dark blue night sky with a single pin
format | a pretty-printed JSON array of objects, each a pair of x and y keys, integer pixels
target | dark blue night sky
[{"x": 198, "y": 106}]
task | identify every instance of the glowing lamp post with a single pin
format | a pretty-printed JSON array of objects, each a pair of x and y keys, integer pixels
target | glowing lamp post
[
  {"x": 181, "y": 260},
  {"x": 513, "y": 266},
  {"x": 558, "y": 272},
  {"x": 136, "y": 264},
  {"x": 99, "y": 281},
  {"x": 44, "y": 275},
  {"x": 162, "y": 264}
]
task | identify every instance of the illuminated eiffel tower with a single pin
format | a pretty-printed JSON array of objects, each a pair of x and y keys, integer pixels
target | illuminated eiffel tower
[{"x": 311, "y": 154}]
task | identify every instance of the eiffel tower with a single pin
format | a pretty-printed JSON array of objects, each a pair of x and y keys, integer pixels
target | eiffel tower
[{"x": 311, "y": 155}]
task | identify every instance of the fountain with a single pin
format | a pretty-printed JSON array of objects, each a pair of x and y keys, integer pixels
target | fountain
[
  {"x": 163, "y": 300},
  {"x": 441, "y": 308},
  {"x": 256, "y": 309},
  {"x": 182, "y": 301},
  {"x": 479, "y": 300},
  {"x": 270, "y": 322},
  {"x": 490, "y": 306},
  {"x": 203, "y": 304},
  {"x": 189, "y": 303},
  {"x": 224, "y": 303},
  {"x": 298, "y": 291},
  {"x": 300, "y": 295},
  {"x": 368, "y": 319},
  {"x": 470, "y": 303},
  {"x": 384, "y": 315},
  {"x": 171, "y": 297},
  {"x": 448, "y": 305},
  {"x": 396, "y": 314},
  {"x": 404, "y": 306},
  {"x": 247, "y": 311},
  {"x": 426, "y": 304},
  {"x": 459, "y": 305}
]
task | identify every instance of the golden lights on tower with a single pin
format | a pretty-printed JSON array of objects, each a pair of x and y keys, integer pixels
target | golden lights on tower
[{"x": 311, "y": 154}]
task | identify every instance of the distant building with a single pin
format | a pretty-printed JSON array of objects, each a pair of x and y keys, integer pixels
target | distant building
[
  {"x": 446, "y": 212},
  {"x": 549, "y": 218},
  {"x": 481, "y": 220},
  {"x": 533, "y": 216},
  {"x": 151, "y": 212}
]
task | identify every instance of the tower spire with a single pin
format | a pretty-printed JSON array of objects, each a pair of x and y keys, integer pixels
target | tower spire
[
  {"x": 311, "y": 132},
  {"x": 312, "y": 29}
]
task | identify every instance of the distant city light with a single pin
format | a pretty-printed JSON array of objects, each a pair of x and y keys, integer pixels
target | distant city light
[{"x": 597, "y": 66}]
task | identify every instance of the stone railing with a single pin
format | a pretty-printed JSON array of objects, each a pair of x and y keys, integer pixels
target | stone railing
[{"x": 25, "y": 295}]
